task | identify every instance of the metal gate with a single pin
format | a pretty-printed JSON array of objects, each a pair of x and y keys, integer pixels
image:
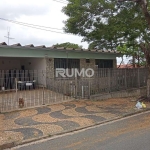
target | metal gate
[{"x": 25, "y": 89}]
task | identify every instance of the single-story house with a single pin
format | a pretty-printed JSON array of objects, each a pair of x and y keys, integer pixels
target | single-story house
[
  {"x": 30, "y": 57},
  {"x": 16, "y": 62}
]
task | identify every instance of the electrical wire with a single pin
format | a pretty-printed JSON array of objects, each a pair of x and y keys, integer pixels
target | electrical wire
[
  {"x": 34, "y": 26},
  {"x": 28, "y": 24},
  {"x": 59, "y": 1}
]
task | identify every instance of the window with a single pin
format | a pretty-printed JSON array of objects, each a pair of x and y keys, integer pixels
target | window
[
  {"x": 103, "y": 63},
  {"x": 66, "y": 64}
]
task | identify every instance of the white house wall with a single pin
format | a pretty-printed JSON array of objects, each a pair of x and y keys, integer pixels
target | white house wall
[
  {"x": 29, "y": 64},
  {"x": 34, "y": 63},
  {"x": 16, "y": 63},
  {"x": 38, "y": 64}
]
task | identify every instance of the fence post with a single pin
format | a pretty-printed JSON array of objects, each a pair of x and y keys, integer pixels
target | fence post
[
  {"x": 89, "y": 89},
  {"x": 125, "y": 78},
  {"x": 16, "y": 81},
  {"x": 43, "y": 77},
  {"x": 75, "y": 87},
  {"x": 16, "y": 85},
  {"x": 138, "y": 78},
  {"x": 109, "y": 88}
]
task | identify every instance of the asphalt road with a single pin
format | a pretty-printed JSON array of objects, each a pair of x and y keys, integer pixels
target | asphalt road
[{"x": 131, "y": 133}]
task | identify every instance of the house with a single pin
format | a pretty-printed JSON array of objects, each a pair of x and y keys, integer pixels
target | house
[
  {"x": 14, "y": 59},
  {"x": 30, "y": 57},
  {"x": 29, "y": 73}
]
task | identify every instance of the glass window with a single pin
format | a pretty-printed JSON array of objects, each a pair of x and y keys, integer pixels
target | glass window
[{"x": 103, "y": 63}]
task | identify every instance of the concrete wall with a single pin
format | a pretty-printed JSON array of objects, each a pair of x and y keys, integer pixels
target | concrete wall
[
  {"x": 33, "y": 63},
  {"x": 38, "y": 64},
  {"x": 9, "y": 63},
  {"x": 119, "y": 94},
  {"x": 85, "y": 65},
  {"x": 16, "y": 63},
  {"x": 50, "y": 67}
]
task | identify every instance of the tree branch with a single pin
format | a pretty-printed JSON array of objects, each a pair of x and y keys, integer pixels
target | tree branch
[{"x": 143, "y": 4}]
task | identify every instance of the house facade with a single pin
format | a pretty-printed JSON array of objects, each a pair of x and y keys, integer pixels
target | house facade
[
  {"x": 28, "y": 73},
  {"x": 30, "y": 57}
]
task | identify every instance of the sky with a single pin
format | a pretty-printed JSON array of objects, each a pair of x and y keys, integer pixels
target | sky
[{"x": 44, "y": 13}]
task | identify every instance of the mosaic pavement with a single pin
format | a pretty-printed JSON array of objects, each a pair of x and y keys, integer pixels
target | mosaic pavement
[{"x": 45, "y": 121}]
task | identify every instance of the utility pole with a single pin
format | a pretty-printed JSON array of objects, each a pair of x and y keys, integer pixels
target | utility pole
[{"x": 8, "y": 35}]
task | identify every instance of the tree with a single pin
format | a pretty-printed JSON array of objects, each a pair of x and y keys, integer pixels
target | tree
[
  {"x": 100, "y": 23},
  {"x": 145, "y": 44},
  {"x": 68, "y": 45},
  {"x": 107, "y": 24},
  {"x": 135, "y": 53}
]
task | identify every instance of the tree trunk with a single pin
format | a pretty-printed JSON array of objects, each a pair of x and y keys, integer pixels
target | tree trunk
[
  {"x": 143, "y": 4},
  {"x": 133, "y": 61}
]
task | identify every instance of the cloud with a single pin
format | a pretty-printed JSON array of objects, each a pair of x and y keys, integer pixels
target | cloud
[
  {"x": 45, "y": 13},
  {"x": 15, "y": 9}
]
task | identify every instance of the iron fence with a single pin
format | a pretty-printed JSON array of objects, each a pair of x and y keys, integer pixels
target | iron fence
[{"x": 30, "y": 88}]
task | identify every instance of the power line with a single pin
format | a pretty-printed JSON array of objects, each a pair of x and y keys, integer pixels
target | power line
[
  {"x": 28, "y": 24},
  {"x": 33, "y": 26},
  {"x": 59, "y": 1}
]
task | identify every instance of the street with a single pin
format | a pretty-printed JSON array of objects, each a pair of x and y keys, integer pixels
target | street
[{"x": 130, "y": 133}]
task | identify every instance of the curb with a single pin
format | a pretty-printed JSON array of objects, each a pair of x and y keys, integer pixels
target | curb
[{"x": 14, "y": 144}]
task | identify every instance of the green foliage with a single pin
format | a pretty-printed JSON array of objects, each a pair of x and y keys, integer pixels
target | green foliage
[
  {"x": 134, "y": 52},
  {"x": 106, "y": 24},
  {"x": 68, "y": 45}
]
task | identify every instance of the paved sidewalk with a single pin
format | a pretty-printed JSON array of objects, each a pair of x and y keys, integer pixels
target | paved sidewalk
[{"x": 27, "y": 125}]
